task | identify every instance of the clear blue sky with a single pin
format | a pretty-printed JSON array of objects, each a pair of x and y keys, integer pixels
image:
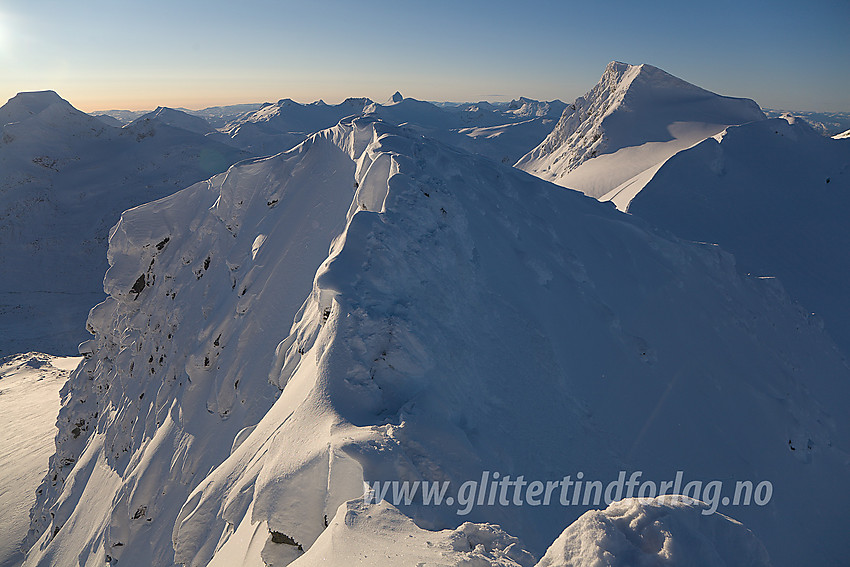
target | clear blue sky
[{"x": 103, "y": 54}]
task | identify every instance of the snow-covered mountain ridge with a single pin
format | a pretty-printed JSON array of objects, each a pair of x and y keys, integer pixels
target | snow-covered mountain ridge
[
  {"x": 433, "y": 315},
  {"x": 66, "y": 178}
]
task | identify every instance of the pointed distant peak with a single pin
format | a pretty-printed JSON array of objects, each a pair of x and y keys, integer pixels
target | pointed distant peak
[
  {"x": 397, "y": 97},
  {"x": 319, "y": 102},
  {"x": 287, "y": 102}
]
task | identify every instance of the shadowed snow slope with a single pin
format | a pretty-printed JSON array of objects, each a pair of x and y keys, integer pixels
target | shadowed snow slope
[
  {"x": 655, "y": 533},
  {"x": 776, "y": 194},
  {"x": 65, "y": 178},
  {"x": 636, "y": 117},
  {"x": 468, "y": 317}
]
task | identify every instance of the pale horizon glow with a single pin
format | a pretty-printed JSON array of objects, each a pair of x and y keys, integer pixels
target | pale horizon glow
[{"x": 104, "y": 55}]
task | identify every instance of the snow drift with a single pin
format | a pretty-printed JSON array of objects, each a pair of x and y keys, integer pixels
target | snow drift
[{"x": 373, "y": 305}]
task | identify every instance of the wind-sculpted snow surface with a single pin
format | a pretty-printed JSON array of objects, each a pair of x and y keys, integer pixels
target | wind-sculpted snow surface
[
  {"x": 635, "y": 118},
  {"x": 468, "y": 317}
]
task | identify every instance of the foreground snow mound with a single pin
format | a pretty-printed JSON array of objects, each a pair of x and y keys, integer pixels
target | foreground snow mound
[
  {"x": 636, "y": 117},
  {"x": 65, "y": 178},
  {"x": 666, "y": 531},
  {"x": 777, "y": 195},
  {"x": 473, "y": 318},
  {"x": 29, "y": 402},
  {"x": 379, "y": 535}
]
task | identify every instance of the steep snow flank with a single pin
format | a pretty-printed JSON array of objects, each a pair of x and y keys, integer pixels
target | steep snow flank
[
  {"x": 842, "y": 135},
  {"x": 29, "y": 402},
  {"x": 172, "y": 117},
  {"x": 65, "y": 178},
  {"x": 653, "y": 533},
  {"x": 636, "y": 117},
  {"x": 202, "y": 286},
  {"x": 777, "y": 195},
  {"x": 473, "y": 318}
]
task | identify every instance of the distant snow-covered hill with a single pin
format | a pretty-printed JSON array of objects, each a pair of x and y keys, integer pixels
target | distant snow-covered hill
[
  {"x": 635, "y": 118},
  {"x": 66, "y": 177},
  {"x": 175, "y": 118},
  {"x": 825, "y": 123},
  {"x": 373, "y": 305}
]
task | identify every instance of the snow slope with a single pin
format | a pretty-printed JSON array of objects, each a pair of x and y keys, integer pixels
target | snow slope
[
  {"x": 65, "y": 177},
  {"x": 468, "y": 317},
  {"x": 636, "y": 117},
  {"x": 842, "y": 135},
  {"x": 29, "y": 402},
  {"x": 776, "y": 194}
]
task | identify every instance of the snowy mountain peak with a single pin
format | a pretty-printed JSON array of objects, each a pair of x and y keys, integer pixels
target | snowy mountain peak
[
  {"x": 397, "y": 97},
  {"x": 630, "y": 106},
  {"x": 26, "y": 104}
]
